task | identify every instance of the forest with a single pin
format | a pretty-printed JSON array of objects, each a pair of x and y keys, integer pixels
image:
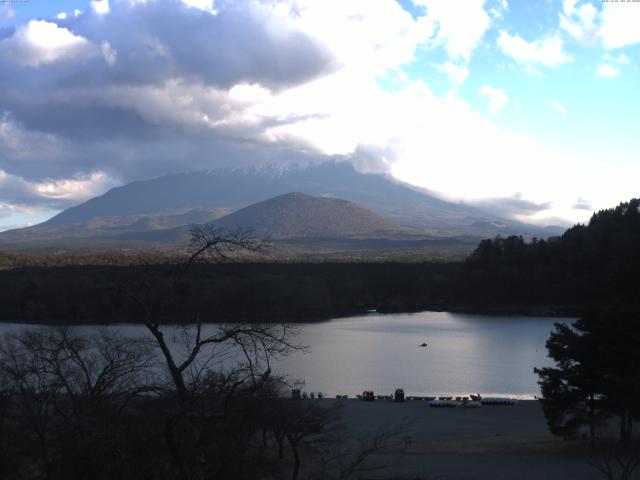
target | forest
[{"x": 588, "y": 267}]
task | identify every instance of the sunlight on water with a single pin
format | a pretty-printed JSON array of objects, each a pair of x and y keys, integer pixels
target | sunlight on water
[
  {"x": 465, "y": 354},
  {"x": 492, "y": 355}
]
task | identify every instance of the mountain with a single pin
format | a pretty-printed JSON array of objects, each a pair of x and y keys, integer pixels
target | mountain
[
  {"x": 301, "y": 216},
  {"x": 198, "y": 197},
  {"x": 298, "y": 217}
]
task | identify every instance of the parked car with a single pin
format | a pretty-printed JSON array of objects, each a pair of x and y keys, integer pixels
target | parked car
[
  {"x": 399, "y": 395},
  {"x": 295, "y": 394},
  {"x": 368, "y": 396}
]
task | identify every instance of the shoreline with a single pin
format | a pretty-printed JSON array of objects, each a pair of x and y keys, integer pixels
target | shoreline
[{"x": 548, "y": 312}]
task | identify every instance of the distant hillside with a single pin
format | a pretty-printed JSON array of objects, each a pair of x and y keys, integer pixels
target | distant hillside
[
  {"x": 296, "y": 225},
  {"x": 297, "y": 216},
  {"x": 109, "y": 229}
]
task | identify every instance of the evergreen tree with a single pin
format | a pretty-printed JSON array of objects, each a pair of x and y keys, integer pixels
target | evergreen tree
[
  {"x": 571, "y": 392},
  {"x": 597, "y": 374}
]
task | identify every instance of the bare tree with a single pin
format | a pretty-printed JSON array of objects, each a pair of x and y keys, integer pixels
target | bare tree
[
  {"x": 33, "y": 392},
  {"x": 615, "y": 461},
  {"x": 309, "y": 423},
  {"x": 67, "y": 393},
  {"x": 345, "y": 455},
  {"x": 255, "y": 344},
  {"x": 209, "y": 366}
]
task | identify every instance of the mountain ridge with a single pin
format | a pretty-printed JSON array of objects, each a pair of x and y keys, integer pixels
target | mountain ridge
[{"x": 158, "y": 204}]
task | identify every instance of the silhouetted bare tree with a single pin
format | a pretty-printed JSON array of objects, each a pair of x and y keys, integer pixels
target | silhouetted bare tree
[
  {"x": 213, "y": 369},
  {"x": 614, "y": 461},
  {"x": 67, "y": 395}
]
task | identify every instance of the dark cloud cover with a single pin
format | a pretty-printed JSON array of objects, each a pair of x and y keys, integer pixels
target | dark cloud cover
[
  {"x": 156, "y": 41},
  {"x": 129, "y": 102}
]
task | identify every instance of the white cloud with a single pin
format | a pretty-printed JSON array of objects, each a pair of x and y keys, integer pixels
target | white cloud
[
  {"x": 457, "y": 73},
  {"x": 23, "y": 146},
  {"x": 583, "y": 204},
  {"x": 483, "y": 162},
  {"x": 621, "y": 58},
  {"x": 108, "y": 53},
  {"x": 496, "y": 96},
  {"x": 6, "y": 13},
  {"x": 620, "y": 24},
  {"x": 101, "y": 7},
  {"x": 548, "y": 51},
  {"x": 204, "y": 5},
  {"x": 78, "y": 188},
  {"x": 439, "y": 143},
  {"x": 559, "y": 107},
  {"x": 498, "y": 9},
  {"x": 606, "y": 70},
  {"x": 461, "y": 26},
  {"x": 371, "y": 36},
  {"x": 580, "y": 22},
  {"x": 514, "y": 206},
  {"x": 55, "y": 193},
  {"x": 61, "y": 16},
  {"x": 614, "y": 25},
  {"x": 40, "y": 42}
]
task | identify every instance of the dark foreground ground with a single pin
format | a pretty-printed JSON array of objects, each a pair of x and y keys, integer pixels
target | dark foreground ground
[{"x": 490, "y": 442}]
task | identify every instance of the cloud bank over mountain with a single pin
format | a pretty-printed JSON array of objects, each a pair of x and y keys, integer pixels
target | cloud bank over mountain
[{"x": 130, "y": 89}]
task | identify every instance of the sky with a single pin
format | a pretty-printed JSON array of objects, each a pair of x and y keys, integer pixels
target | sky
[{"x": 527, "y": 109}]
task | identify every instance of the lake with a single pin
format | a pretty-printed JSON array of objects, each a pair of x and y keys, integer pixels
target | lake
[
  {"x": 489, "y": 354},
  {"x": 493, "y": 355}
]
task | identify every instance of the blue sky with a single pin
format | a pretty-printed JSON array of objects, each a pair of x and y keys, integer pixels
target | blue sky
[
  {"x": 43, "y": 9},
  {"x": 527, "y": 108}
]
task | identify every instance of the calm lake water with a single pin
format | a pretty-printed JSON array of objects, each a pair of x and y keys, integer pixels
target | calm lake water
[
  {"x": 493, "y": 355},
  {"x": 465, "y": 354}
]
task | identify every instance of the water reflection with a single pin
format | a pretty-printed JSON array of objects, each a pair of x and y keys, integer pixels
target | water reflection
[{"x": 465, "y": 353}]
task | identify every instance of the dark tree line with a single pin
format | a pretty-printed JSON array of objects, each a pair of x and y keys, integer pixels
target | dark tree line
[
  {"x": 231, "y": 292},
  {"x": 588, "y": 267}
]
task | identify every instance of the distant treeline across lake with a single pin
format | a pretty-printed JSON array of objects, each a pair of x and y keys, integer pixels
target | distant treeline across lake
[
  {"x": 282, "y": 292},
  {"x": 589, "y": 267}
]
